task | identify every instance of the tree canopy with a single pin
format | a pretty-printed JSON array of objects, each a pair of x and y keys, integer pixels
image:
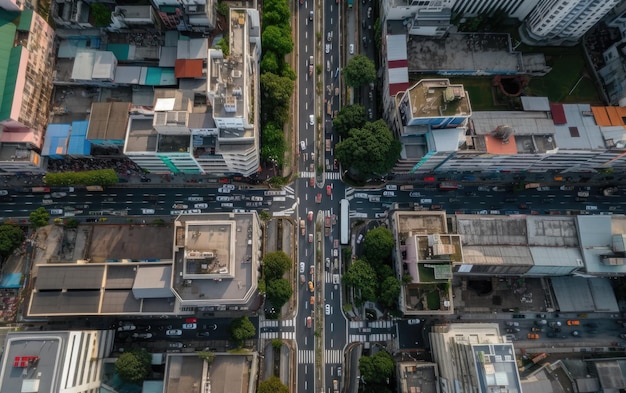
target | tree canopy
[
  {"x": 278, "y": 40},
  {"x": 11, "y": 236},
  {"x": 276, "y": 12},
  {"x": 272, "y": 385},
  {"x": 273, "y": 144},
  {"x": 359, "y": 71},
  {"x": 39, "y": 217},
  {"x": 275, "y": 264},
  {"x": 276, "y": 94},
  {"x": 378, "y": 245},
  {"x": 349, "y": 117},
  {"x": 279, "y": 291},
  {"x": 101, "y": 14},
  {"x": 367, "y": 151},
  {"x": 134, "y": 366},
  {"x": 377, "y": 368},
  {"x": 241, "y": 329},
  {"x": 389, "y": 292},
  {"x": 362, "y": 278}
]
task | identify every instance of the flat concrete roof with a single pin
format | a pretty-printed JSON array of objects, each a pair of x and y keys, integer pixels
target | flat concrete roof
[
  {"x": 463, "y": 53},
  {"x": 142, "y": 137}
]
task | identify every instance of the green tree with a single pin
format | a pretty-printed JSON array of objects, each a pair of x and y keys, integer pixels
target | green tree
[
  {"x": 208, "y": 357},
  {"x": 389, "y": 292},
  {"x": 276, "y": 94},
  {"x": 39, "y": 218},
  {"x": 134, "y": 366},
  {"x": 241, "y": 329},
  {"x": 376, "y": 368},
  {"x": 359, "y": 71},
  {"x": 279, "y": 291},
  {"x": 272, "y": 385},
  {"x": 362, "y": 277},
  {"x": 277, "y": 344},
  {"x": 270, "y": 63},
  {"x": 273, "y": 144},
  {"x": 222, "y": 8},
  {"x": 276, "y": 12},
  {"x": 277, "y": 39},
  {"x": 11, "y": 236},
  {"x": 378, "y": 245},
  {"x": 371, "y": 150},
  {"x": 224, "y": 45},
  {"x": 101, "y": 14},
  {"x": 275, "y": 264},
  {"x": 349, "y": 117},
  {"x": 99, "y": 177}
]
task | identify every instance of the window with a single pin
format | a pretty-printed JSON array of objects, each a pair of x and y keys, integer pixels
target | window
[{"x": 573, "y": 132}]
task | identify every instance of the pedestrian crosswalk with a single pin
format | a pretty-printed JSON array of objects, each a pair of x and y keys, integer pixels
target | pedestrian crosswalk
[
  {"x": 361, "y": 338},
  {"x": 281, "y": 335},
  {"x": 291, "y": 193},
  {"x": 306, "y": 175},
  {"x": 306, "y": 356},
  {"x": 332, "y": 175},
  {"x": 357, "y": 324},
  {"x": 287, "y": 322},
  {"x": 332, "y": 356},
  {"x": 380, "y": 324}
]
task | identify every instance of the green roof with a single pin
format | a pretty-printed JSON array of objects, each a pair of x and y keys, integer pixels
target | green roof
[
  {"x": 26, "y": 20},
  {"x": 9, "y": 61},
  {"x": 119, "y": 50}
]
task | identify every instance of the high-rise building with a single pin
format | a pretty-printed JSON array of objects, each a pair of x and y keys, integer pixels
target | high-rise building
[
  {"x": 512, "y": 8},
  {"x": 563, "y": 22}
]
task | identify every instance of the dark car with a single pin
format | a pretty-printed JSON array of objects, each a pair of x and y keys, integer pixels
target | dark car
[
  {"x": 145, "y": 179},
  {"x": 203, "y": 333}
]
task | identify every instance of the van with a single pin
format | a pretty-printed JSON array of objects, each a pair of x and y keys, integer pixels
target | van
[
  {"x": 312, "y": 120},
  {"x": 426, "y": 201},
  {"x": 310, "y": 15},
  {"x": 391, "y": 187},
  {"x": 310, "y": 60},
  {"x": 56, "y": 211}
]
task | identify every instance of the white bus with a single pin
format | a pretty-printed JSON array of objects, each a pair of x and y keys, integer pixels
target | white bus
[{"x": 345, "y": 221}]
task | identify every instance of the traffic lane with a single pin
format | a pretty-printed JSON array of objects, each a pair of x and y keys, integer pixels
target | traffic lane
[{"x": 412, "y": 336}]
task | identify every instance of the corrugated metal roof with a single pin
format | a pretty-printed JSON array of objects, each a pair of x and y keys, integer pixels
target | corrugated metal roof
[
  {"x": 7, "y": 36},
  {"x": 535, "y": 103},
  {"x": 83, "y": 65},
  {"x": 396, "y": 47},
  {"x": 55, "y": 143},
  {"x": 558, "y": 114},
  {"x": 168, "y": 56},
  {"x": 128, "y": 75},
  {"x": 121, "y": 51},
  {"x": 104, "y": 65},
  {"x": 188, "y": 68},
  {"x": 194, "y": 48},
  {"x": 26, "y": 20},
  {"x": 78, "y": 144},
  {"x": 155, "y": 76}
]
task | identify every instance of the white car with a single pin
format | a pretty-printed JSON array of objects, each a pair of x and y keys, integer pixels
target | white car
[
  {"x": 328, "y": 48},
  {"x": 359, "y": 239},
  {"x": 200, "y": 205},
  {"x": 174, "y": 332},
  {"x": 302, "y": 145},
  {"x": 190, "y": 326},
  {"x": 301, "y": 267},
  {"x": 389, "y": 193},
  {"x": 414, "y": 321},
  {"x": 224, "y": 198},
  {"x": 328, "y": 309},
  {"x": 351, "y": 49},
  {"x": 229, "y": 186},
  {"x": 312, "y": 120},
  {"x": 126, "y": 328},
  {"x": 147, "y": 211},
  {"x": 195, "y": 199},
  {"x": 4, "y": 192},
  {"x": 415, "y": 194},
  {"x": 224, "y": 190},
  {"x": 179, "y": 206}
]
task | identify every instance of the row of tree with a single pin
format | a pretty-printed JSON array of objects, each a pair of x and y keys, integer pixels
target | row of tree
[
  {"x": 98, "y": 177},
  {"x": 372, "y": 276},
  {"x": 277, "y": 288},
  {"x": 277, "y": 79}
]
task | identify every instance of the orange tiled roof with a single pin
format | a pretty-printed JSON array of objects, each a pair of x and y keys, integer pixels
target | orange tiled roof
[{"x": 495, "y": 145}]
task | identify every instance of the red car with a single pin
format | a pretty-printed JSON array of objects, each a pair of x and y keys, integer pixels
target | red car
[
  {"x": 191, "y": 320},
  {"x": 329, "y": 190},
  {"x": 310, "y": 216}
]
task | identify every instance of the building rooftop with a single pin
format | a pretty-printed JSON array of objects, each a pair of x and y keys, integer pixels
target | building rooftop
[
  {"x": 438, "y": 98},
  {"x": 228, "y": 373},
  {"x": 218, "y": 258},
  {"x": 463, "y": 53},
  {"x": 417, "y": 377},
  {"x": 495, "y": 367},
  {"x": 108, "y": 121},
  {"x": 141, "y": 137}
]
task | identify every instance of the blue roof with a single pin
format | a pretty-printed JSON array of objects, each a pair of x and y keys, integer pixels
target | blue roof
[
  {"x": 120, "y": 51},
  {"x": 55, "y": 143},
  {"x": 78, "y": 144},
  {"x": 156, "y": 76}
]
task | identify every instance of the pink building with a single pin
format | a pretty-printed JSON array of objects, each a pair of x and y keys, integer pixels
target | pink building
[{"x": 26, "y": 58}]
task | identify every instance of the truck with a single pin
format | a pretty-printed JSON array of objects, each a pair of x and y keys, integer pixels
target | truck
[
  {"x": 94, "y": 188},
  {"x": 327, "y": 226},
  {"x": 349, "y": 3},
  {"x": 448, "y": 185},
  {"x": 40, "y": 189},
  {"x": 302, "y": 227}
]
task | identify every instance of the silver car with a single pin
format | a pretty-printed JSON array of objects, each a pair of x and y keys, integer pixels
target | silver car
[{"x": 174, "y": 332}]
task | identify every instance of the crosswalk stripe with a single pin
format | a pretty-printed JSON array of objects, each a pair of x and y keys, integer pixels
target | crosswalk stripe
[
  {"x": 288, "y": 335},
  {"x": 306, "y": 356},
  {"x": 357, "y": 324},
  {"x": 332, "y": 356},
  {"x": 270, "y": 335},
  {"x": 358, "y": 338},
  {"x": 289, "y": 190},
  {"x": 349, "y": 191},
  {"x": 332, "y": 175},
  {"x": 306, "y": 175},
  {"x": 379, "y": 337}
]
